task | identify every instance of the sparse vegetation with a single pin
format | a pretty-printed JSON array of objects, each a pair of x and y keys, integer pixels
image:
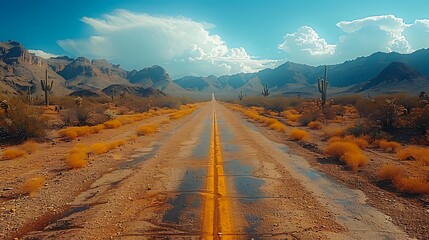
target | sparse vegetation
[
  {"x": 390, "y": 172},
  {"x": 362, "y": 142},
  {"x": 388, "y": 146},
  {"x": 419, "y": 154},
  {"x": 347, "y": 152},
  {"x": 12, "y": 153},
  {"x": 32, "y": 185},
  {"x": 76, "y": 158},
  {"x": 147, "y": 129},
  {"x": 298, "y": 134},
  {"x": 314, "y": 125}
]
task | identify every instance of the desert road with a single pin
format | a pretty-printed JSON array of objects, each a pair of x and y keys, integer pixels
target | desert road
[{"x": 210, "y": 175}]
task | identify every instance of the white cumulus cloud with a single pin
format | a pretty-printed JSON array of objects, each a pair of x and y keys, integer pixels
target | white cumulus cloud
[
  {"x": 42, "y": 54},
  {"x": 182, "y": 45},
  {"x": 361, "y": 37}
]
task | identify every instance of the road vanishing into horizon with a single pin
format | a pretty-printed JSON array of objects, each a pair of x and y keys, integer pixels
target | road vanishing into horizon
[{"x": 216, "y": 176}]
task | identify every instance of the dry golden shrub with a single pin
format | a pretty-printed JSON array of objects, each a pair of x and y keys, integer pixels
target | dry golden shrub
[
  {"x": 132, "y": 137},
  {"x": 420, "y": 154},
  {"x": 32, "y": 185},
  {"x": 412, "y": 185},
  {"x": 292, "y": 115},
  {"x": 147, "y": 129},
  {"x": 97, "y": 128},
  {"x": 348, "y": 152},
  {"x": 76, "y": 157},
  {"x": 12, "y": 153},
  {"x": 333, "y": 131},
  {"x": 98, "y": 148},
  {"x": 360, "y": 141},
  {"x": 278, "y": 126},
  {"x": 181, "y": 113},
  {"x": 388, "y": 146},
  {"x": 74, "y": 132},
  {"x": 273, "y": 113},
  {"x": 299, "y": 134},
  {"x": 115, "y": 123},
  {"x": 314, "y": 125},
  {"x": 29, "y": 146},
  {"x": 390, "y": 172},
  {"x": 116, "y": 143},
  {"x": 268, "y": 121}
]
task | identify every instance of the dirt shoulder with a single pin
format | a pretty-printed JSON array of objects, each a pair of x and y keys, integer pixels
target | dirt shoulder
[
  {"x": 20, "y": 213},
  {"x": 411, "y": 213}
]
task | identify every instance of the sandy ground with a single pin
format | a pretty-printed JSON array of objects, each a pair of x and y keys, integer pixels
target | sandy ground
[{"x": 155, "y": 187}]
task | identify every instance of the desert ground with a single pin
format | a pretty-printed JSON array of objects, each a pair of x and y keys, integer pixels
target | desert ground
[{"x": 212, "y": 174}]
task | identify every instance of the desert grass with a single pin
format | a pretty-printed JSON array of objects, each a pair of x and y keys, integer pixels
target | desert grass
[
  {"x": 333, "y": 131},
  {"x": 292, "y": 115},
  {"x": 390, "y": 172},
  {"x": 278, "y": 126},
  {"x": 403, "y": 183},
  {"x": 147, "y": 129},
  {"x": 30, "y": 146},
  {"x": 183, "y": 111},
  {"x": 76, "y": 157},
  {"x": 132, "y": 137},
  {"x": 388, "y": 146},
  {"x": 412, "y": 185},
  {"x": 299, "y": 135},
  {"x": 419, "y": 154},
  {"x": 32, "y": 185},
  {"x": 348, "y": 152},
  {"x": 98, "y": 148},
  {"x": 362, "y": 142},
  {"x": 314, "y": 125},
  {"x": 12, "y": 153}
]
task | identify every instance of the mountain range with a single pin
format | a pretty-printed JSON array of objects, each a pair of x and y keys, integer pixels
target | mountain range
[{"x": 380, "y": 72}]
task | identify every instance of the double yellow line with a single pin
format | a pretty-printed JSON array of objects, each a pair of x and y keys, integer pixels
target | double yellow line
[{"x": 217, "y": 216}]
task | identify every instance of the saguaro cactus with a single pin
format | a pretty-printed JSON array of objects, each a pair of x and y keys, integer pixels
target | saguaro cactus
[
  {"x": 29, "y": 96},
  {"x": 46, "y": 87},
  {"x": 322, "y": 86},
  {"x": 112, "y": 94},
  {"x": 241, "y": 95},
  {"x": 266, "y": 92}
]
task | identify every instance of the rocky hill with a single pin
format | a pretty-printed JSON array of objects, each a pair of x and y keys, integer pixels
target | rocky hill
[
  {"x": 155, "y": 77},
  {"x": 395, "y": 78},
  {"x": 21, "y": 70},
  {"x": 292, "y": 79},
  {"x": 97, "y": 73}
]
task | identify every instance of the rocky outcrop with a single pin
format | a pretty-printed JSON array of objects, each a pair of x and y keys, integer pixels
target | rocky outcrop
[{"x": 13, "y": 53}]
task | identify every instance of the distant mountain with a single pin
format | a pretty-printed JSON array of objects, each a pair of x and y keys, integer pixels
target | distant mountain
[
  {"x": 132, "y": 90},
  {"x": 97, "y": 73},
  {"x": 292, "y": 79},
  {"x": 21, "y": 70},
  {"x": 396, "y": 77},
  {"x": 154, "y": 77}
]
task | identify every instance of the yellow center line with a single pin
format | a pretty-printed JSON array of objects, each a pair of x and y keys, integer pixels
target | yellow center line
[{"x": 217, "y": 216}]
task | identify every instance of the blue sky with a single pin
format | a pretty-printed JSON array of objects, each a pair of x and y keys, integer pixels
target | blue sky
[{"x": 194, "y": 37}]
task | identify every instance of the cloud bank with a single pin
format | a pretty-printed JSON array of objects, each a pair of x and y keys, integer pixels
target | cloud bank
[
  {"x": 361, "y": 37},
  {"x": 183, "y": 46},
  {"x": 42, "y": 54}
]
